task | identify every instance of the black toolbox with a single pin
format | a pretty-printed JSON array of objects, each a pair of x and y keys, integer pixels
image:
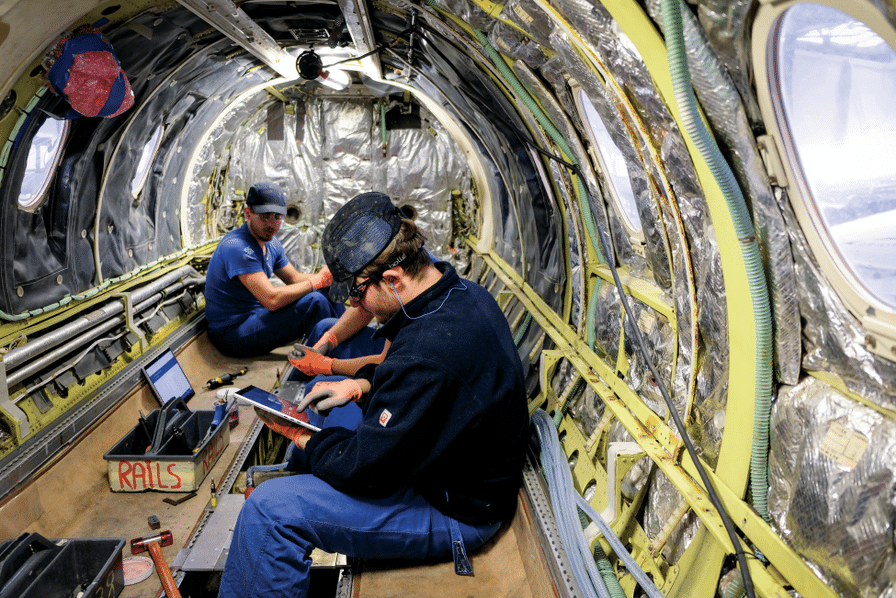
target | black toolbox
[{"x": 32, "y": 566}]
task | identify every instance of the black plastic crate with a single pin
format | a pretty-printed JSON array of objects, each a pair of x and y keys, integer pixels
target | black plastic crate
[
  {"x": 182, "y": 460},
  {"x": 32, "y": 566}
]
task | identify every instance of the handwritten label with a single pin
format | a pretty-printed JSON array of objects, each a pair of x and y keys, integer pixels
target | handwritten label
[
  {"x": 843, "y": 445},
  {"x": 135, "y": 474},
  {"x": 106, "y": 588}
]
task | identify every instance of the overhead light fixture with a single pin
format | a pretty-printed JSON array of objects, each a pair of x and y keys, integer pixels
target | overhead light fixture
[
  {"x": 334, "y": 79},
  {"x": 310, "y": 68},
  {"x": 309, "y": 65}
]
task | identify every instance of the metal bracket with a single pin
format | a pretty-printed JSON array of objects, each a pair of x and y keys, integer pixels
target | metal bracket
[
  {"x": 232, "y": 21},
  {"x": 357, "y": 21},
  {"x": 621, "y": 456},
  {"x": 9, "y": 407},
  {"x": 771, "y": 157},
  {"x": 129, "y": 315}
]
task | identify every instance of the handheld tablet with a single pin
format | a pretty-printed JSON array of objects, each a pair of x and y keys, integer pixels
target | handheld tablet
[{"x": 274, "y": 404}]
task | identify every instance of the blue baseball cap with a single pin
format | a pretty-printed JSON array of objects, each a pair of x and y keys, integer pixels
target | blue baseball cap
[{"x": 266, "y": 197}]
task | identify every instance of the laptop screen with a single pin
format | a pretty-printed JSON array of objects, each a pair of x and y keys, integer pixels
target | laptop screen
[{"x": 167, "y": 379}]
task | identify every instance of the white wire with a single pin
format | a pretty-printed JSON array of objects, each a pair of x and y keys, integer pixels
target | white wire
[
  {"x": 646, "y": 583},
  {"x": 563, "y": 497},
  {"x": 581, "y": 561}
]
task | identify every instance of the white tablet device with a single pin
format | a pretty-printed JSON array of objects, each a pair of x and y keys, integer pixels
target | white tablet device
[{"x": 273, "y": 404}]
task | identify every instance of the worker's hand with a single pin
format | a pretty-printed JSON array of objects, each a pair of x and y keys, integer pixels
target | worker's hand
[
  {"x": 322, "y": 279},
  {"x": 326, "y": 343},
  {"x": 310, "y": 362},
  {"x": 294, "y": 432},
  {"x": 327, "y": 395}
]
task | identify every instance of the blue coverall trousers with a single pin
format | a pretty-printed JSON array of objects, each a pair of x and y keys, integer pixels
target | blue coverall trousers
[
  {"x": 263, "y": 331},
  {"x": 284, "y": 519}
]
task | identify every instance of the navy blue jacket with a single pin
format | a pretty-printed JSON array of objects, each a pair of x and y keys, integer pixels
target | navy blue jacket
[{"x": 446, "y": 413}]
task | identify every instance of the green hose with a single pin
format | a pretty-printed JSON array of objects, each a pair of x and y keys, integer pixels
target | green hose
[
  {"x": 687, "y": 102},
  {"x": 557, "y": 138},
  {"x": 521, "y": 333},
  {"x": 604, "y": 567},
  {"x": 571, "y": 395},
  {"x": 607, "y": 573}
]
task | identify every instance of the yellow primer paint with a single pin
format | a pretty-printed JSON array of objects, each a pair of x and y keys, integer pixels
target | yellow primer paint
[
  {"x": 737, "y": 440},
  {"x": 664, "y": 449}
]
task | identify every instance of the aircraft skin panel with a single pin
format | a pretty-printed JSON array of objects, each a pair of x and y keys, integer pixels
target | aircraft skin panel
[{"x": 698, "y": 294}]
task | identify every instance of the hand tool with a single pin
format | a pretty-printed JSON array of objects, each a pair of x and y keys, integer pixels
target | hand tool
[
  {"x": 174, "y": 502},
  {"x": 220, "y": 412},
  {"x": 154, "y": 545},
  {"x": 225, "y": 379}
]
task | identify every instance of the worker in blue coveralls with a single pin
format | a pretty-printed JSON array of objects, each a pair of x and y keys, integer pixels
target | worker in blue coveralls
[
  {"x": 340, "y": 347},
  {"x": 435, "y": 466},
  {"x": 247, "y": 314}
]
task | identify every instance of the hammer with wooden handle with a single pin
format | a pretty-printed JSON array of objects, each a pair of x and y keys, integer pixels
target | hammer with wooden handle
[{"x": 154, "y": 545}]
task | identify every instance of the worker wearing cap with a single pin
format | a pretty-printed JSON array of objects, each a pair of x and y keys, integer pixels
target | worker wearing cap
[
  {"x": 247, "y": 314},
  {"x": 435, "y": 466}
]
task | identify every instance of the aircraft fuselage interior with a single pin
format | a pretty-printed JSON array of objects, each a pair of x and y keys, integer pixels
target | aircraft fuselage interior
[{"x": 685, "y": 210}]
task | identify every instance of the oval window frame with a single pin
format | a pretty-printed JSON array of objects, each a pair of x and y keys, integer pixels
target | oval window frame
[
  {"x": 877, "y": 318},
  {"x": 141, "y": 174},
  {"x": 619, "y": 206},
  {"x": 49, "y": 169}
]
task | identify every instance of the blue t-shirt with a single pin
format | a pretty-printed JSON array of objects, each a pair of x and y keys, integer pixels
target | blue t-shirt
[{"x": 227, "y": 301}]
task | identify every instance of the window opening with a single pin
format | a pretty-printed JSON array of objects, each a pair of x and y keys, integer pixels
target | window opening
[
  {"x": 835, "y": 81},
  {"x": 613, "y": 163},
  {"x": 146, "y": 157},
  {"x": 43, "y": 158}
]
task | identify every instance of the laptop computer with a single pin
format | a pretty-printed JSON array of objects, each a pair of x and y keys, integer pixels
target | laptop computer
[{"x": 167, "y": 379}]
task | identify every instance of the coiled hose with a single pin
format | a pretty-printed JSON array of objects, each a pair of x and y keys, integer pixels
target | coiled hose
[
  {"x": 564, "y": 502},
  {"x": 702, "y": 138},
  {"x": 746, "y": 235}
]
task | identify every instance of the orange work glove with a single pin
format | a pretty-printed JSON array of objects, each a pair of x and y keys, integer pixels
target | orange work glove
[
  {"x": 322, "y": 279},
  {"x": 326, "y": 343},
  {"x": 327, "y": 395},
  {"x": 283, "y": 427},
  {"x": 310, "y": 362}
]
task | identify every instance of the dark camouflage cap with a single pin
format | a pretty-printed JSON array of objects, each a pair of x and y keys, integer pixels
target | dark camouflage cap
[{"x": 355, "y": 236}]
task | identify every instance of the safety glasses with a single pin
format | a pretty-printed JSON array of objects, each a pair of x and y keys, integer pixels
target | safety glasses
[
  {"x": 269, "y": 216},
  {"x": 356, "y": 292}
]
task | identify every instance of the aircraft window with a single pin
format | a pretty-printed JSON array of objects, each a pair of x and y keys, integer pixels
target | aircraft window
[
  {"x": 613, "y": 163},
  {"x": 835, "y": 79},
  {"x": 43, "y": 157},
  {"x": 149, "y": 152}
]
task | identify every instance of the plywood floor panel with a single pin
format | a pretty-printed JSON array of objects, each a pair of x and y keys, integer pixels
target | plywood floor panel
[
  {"x": 506, "y": 567},
  {"x": 71, "y": 497}
]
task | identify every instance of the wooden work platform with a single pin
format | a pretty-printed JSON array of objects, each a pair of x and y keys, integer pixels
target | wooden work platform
[
  {"x": 71, "y": 497},
  {"x": 511, "y": 565}
]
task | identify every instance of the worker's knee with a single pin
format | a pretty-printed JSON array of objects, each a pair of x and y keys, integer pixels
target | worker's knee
[
  {"x": 311, "y": 309},
  {"x": 317, "y": 302},
  {"x": 320, "y": 328},
  {"x": 277, "y": 499}
]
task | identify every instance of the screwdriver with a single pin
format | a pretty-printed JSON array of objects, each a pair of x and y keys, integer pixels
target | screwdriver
[{"x": 225, "y": 379}]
